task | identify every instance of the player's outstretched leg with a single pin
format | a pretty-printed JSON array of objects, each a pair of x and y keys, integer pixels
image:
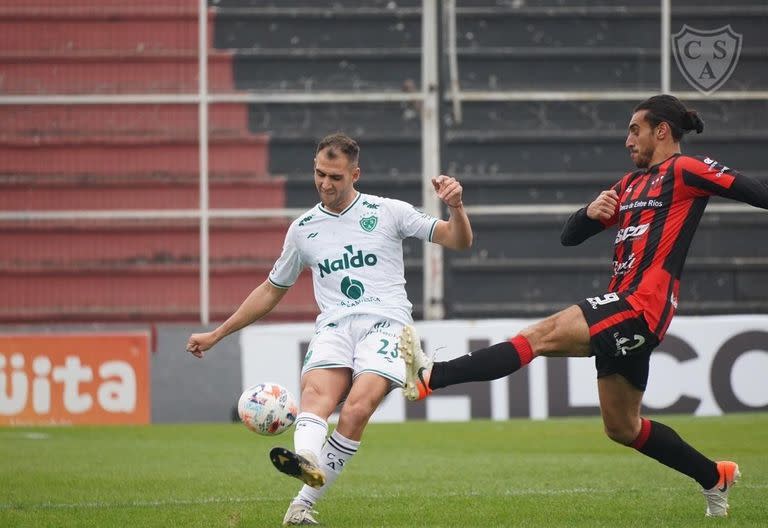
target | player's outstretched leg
[
  {"x": 302, "y": 465},
  {"x": 299, "y": 514},
  {"x": 717, "y": 496},
  {"x": 422, "y": 375},
  {"x": 417, "y": 365}
]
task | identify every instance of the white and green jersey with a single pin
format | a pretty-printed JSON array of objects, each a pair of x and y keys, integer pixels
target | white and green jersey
[{"x": 356, "y": 256}]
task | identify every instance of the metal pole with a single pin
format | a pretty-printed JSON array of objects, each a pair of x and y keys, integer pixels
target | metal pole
[
  {"x": 430, "y": 154},
  {"x": 453, "y": 60},
  {"x": 666, "y": 34},
  {"x": 203, "y": 154}
]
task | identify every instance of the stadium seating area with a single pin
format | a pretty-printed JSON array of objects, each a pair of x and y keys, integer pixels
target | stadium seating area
[{"x": 97, "y": 156}]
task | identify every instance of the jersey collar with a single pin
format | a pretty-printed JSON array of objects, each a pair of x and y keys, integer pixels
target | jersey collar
[
  {"x": 347, "y": 208},
  {"x": 656, "y": 167}
]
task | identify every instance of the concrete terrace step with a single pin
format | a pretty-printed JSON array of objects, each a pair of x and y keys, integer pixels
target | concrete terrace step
[
  {"x": 331, "y": 6},
  {"x": 317, "y": 28},
  {"x": 109, "y": 72},
  {"x": 136, "y": 191},
  {"x": 77, "y": 28},
  {"x": 142, "y": 6},
  {"x": 595, "y": 26},
  {"x": 156, "y": 244},
  {"x": 130, "y": 121},
  {"x": 131, "y": 155}
]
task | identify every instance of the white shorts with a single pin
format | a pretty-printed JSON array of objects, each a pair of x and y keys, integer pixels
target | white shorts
[{"x": 362, "y": 343}]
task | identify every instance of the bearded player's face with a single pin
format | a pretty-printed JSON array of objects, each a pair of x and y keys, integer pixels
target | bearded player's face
[{"x": 641, "y": 141}]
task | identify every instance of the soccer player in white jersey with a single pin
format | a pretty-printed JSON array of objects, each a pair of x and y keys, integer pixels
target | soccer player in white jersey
[{"x": 352, "y": 242}]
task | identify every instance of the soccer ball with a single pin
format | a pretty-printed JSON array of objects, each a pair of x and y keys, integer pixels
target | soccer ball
[{"x": 267, "y": 408}]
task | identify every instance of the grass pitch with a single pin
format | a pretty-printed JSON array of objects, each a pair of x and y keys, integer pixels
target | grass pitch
[{"x": 507, "y": 474}]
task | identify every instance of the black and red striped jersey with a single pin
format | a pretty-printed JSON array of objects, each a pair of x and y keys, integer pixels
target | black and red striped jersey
[{"x": 657, "y": 215}]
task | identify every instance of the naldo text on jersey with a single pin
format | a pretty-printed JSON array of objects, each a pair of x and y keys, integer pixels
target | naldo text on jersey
[{"x": 357, "y": 260}]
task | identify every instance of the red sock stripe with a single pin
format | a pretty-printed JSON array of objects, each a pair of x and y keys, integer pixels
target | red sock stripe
[
  {"x": 642, "y": 437},
  {"x": 523, "y": 348}
]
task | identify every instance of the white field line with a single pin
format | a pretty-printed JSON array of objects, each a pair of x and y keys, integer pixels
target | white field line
[{"x": 241, "y": 500}]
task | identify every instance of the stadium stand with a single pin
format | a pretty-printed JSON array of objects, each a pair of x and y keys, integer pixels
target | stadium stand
[{"x": 530, "y": 152}]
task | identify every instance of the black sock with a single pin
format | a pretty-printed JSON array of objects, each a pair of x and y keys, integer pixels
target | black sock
[
  {"x": 496, "y": 361},
  {"x": 662, "y": 443}
]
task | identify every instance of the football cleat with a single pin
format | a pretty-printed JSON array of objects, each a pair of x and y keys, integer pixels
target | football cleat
[
  {"x": 302, "y": 466},
  {"x": 717, "y": 496},
  {"x": 299, "y": 514},
  {"x": 417, "y": 365}
]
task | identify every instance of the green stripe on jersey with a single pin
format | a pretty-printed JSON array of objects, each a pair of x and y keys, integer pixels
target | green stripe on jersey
[
  {"x": 432, "y": 230},
  {"x": 276, "y": 285}
]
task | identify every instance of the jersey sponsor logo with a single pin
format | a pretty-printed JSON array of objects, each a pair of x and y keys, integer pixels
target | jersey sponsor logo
[
  {"x": 312, "y": 235},
  {"x": 637, "y": 204},
  {"x": 631, "y": 232},
  {"x": 625, "y": 345},
  {"x": 370, "y": 205},
  {"x": 352, "y": 288},
  {"x": 620, "y": 268},
  {"x": 358, "y": 259},
  {"x": 673, "y": 300},
  {"x": 713, "y": 164},
  {"x": 602, "y": 301},
  {"x": 368, "y": 223}
]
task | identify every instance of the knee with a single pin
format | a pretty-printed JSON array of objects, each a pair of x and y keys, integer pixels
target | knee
[
  {"x": 541, "y": 337},
  {"x": 317, "y": 401},
  {"x": 621, "y": 432},
  {"x": 356, "y": 413},
  {"x": 311, "y": 392}
]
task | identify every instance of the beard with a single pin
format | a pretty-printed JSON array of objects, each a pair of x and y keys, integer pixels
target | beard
[{"x": 643, "y": 158}]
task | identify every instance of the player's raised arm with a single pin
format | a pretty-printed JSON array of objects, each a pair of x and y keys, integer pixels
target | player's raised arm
[
  {"x": 259, "y": 303},
  {"x": 456, "y": 232},
  {"x": 704, "y": 176},
  {"x": 591, "y": 219}
]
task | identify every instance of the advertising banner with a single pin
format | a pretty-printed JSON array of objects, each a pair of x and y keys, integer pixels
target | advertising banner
[
  {"x": 74, "y": 379},
  {"x": 705, "y": 366}
]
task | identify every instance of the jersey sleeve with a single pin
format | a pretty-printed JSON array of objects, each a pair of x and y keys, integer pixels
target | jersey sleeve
[
  {"x": 413, "y": 223},
  {"x": 288, "y": 266},
  {"x": 703, "y": 176}
]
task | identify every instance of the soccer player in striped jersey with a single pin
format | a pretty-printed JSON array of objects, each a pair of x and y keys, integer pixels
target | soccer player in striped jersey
[
  {"x": 656, "y": 209},
  {"x": 353, "y": 244}
]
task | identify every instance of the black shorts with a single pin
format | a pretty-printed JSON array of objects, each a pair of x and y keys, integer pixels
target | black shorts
[{"x": 620, "y": 338}]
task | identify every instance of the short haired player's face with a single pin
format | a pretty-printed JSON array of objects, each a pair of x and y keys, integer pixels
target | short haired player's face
[
  {"x": 641, "y": 140},
  {"x": 335, "y": 180}
]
